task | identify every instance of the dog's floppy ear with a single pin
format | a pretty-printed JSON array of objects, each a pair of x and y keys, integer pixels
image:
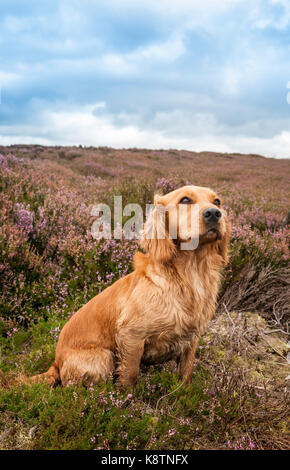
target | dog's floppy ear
[
  {"x": 222, "y": 245},
  {"x": 156, "y": 240}
]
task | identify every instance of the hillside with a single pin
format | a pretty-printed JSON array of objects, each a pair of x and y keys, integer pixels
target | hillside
[{"x": 50, "y": 266}]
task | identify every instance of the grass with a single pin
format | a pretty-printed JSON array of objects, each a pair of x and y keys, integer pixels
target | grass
[{"x": 236, "y": 401}]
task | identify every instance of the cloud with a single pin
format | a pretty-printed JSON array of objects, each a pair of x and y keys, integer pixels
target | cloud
[
  {"x": 272, "y": 14},
  {"x": 171, "y": 73},
  {"x": 93, "y": 125}
]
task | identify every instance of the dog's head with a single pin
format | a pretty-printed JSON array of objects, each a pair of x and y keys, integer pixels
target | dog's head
[{"x": 188, "y": 214}]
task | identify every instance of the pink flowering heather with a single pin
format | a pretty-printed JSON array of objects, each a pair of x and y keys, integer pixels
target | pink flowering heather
[
  {"x": 24, "y": 218},
  {"x": 48, "y": 256},
  {"x": 50, "y": 265}
]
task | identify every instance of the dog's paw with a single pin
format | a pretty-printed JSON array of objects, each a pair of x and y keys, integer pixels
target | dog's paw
[{"x": 126, "y": 386}]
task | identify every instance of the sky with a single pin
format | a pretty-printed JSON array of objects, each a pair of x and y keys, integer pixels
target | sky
[{"x": 182, "y": 74}]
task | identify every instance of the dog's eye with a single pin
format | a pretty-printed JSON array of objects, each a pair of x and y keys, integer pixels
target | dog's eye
[
  {"x": 217, "y": 202},
  {"x": 185, "y": 200}
]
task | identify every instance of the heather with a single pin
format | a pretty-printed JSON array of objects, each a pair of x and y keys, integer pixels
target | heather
[{"x": 50, "y": 266}]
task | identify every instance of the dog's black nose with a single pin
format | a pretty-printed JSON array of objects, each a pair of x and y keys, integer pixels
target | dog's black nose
[{"x": 211, "y": 215}]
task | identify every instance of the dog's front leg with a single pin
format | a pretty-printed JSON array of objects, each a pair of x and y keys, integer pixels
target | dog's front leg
[
  {"x": 187, "y": 361},
  {"x": 130, "y": 349}
]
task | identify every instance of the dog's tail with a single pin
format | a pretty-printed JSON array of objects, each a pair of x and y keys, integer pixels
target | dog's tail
[{"x": 51, "y": 377}]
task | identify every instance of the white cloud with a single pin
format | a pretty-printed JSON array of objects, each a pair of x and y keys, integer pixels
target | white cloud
[
  {"x": 7, "y": 78},
  {"x": 211, "y": 75},
  {"x": 175, "y": 6},
  {"x": 167, "y": 51},
  {"x": 84, "y": 126},
  {"x": 14, "y": 24},
  {"x": 288, "y": 94},
  {"x": 133, "y": 63},
  {"x": 231, "y": 79},
  {"x": 115, "y": 65},
  {"x": 263, "y": 15}
]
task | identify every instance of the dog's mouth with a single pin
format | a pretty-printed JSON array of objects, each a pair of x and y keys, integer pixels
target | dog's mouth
[{"x": 212, "y": 234}]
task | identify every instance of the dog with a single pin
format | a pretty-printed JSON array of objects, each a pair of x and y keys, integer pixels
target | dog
[{"x": 159, "y": 311}]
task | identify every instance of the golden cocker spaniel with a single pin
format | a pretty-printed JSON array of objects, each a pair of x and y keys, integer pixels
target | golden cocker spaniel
[{"x": 158, "y": 312}]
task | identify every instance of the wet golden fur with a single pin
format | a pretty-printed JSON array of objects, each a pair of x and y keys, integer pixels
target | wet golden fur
[{"x": 152, "y": 315}]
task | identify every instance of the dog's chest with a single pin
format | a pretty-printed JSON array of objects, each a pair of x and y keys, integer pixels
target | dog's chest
[
  {"x": 175, "y": 334},
  {"x": 173, "y": 324},
  {"x": 158, "y": 350}
]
